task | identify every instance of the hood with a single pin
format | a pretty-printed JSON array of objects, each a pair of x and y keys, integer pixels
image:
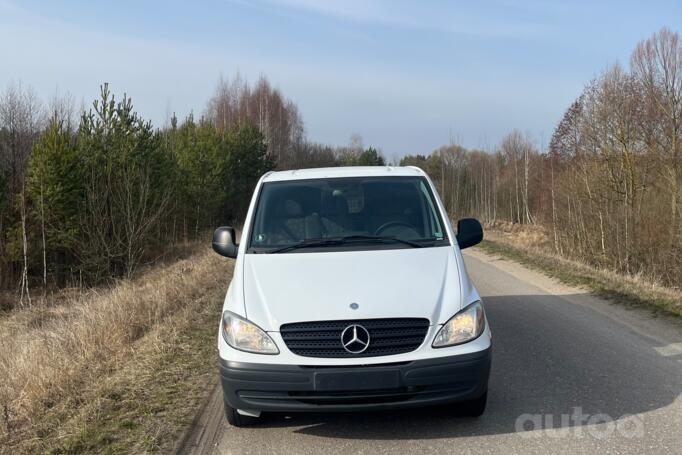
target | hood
[{"x": 297, "y": 287}]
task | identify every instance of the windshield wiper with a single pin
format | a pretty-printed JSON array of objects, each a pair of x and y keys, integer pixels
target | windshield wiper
[
  {"x": 380, "y": 238},
  {"x": 309, "y": 243},
  {"x": 312, "y": 243}
]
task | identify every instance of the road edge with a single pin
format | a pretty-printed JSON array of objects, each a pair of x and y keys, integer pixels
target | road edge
[
  {"x": 182, "y": 442},
  {"x": 609, "y": 285},
  {"x": 659, "y": 326}
]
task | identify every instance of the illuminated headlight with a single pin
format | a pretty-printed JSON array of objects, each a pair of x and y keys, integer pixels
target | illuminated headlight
[
  {"x": 462, "y": 327},
  {"x": 246, "y": 336}
]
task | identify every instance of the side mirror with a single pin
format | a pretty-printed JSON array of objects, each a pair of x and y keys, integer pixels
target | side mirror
[
  {"x": 469, "y": 232},
  {"x": 224, "y": 242}
]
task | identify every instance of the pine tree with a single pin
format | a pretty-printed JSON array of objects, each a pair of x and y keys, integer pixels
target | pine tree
[
  {"x": 247, "y": 160},
  {"x": 201, "y": 189},
  {"x": 129, "y": 178},
  {"x": 370, "y": 157},
  {"x": 55, "y": 191}
]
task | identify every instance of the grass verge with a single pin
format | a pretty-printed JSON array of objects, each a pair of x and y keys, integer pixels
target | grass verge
[
  {"x": 130, "y": 365},
  {"x": 633, "y": 291}
]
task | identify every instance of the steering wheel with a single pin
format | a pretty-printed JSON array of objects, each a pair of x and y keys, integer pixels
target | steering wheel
[
  {"x": 390, "y": 224},
  {"x": 285, "y": 229}
]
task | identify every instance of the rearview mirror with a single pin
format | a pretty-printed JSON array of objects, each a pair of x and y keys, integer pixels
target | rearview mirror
[
  {"x": 469, "y": 232},
  {"x": 224, "y": 242}
]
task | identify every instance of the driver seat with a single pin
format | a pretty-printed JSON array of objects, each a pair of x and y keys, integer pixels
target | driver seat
[{"x": 335, "y": 215}]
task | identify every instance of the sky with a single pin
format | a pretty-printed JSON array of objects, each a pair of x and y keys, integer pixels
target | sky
[{"x": 407, "y": 76}]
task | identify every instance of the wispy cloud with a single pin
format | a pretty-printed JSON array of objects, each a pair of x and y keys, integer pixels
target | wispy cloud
[
  {"x": 495, "y": 21},
  {"x": 405, "y": 74}
]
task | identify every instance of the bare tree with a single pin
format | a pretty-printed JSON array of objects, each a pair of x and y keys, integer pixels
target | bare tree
[
  {"x": 235, "y": 103},
  {"x": 657, "y": 63},
  {"x": 20, "y": 121},
  {"x": 516, "y": 148}
]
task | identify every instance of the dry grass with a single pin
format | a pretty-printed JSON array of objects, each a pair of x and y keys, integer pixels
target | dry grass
[
  {"x": 521, "y": 236},
  {"x": 61, "y": 361},
  {"x": 532, "y": 246}
]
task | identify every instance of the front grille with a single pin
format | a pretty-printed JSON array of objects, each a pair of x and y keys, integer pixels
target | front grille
[{"x": 323, "y": 338}]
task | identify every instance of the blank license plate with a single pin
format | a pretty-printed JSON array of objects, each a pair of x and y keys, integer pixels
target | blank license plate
[{"x": 360, "y": 380}]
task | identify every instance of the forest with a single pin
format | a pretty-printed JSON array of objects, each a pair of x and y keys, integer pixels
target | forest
[
  {"x": 90, "y": 195},
  {"x": 608, "y": 189}
]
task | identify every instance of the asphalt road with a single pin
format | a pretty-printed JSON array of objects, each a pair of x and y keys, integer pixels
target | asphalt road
[{"x": 571, "y": 374}]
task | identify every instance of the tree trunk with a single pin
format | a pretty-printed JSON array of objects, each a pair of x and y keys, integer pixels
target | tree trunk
[
  {"x": 556, "y": 237},
  {"x": 24, "y": 275},
  {"x": 42, "y": 232}
]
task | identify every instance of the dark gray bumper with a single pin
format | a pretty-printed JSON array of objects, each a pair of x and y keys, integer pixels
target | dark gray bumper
[{"x": 384, "y": 386}]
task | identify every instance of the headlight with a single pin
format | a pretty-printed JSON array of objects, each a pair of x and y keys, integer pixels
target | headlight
[
  {"x": 246, "y": 336},
  {"x": 462, "y": 327}
]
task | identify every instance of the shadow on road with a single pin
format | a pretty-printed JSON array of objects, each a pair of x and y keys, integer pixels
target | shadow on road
[{"x": 549, "y": 358}]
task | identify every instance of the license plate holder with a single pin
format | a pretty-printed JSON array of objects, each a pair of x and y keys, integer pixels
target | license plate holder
[{"x": 357, "y": 380}]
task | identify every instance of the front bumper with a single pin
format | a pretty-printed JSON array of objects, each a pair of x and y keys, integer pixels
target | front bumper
[{"x": 416, "y": 383}]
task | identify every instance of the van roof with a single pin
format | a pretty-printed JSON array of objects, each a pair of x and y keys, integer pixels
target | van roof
[{"x": 348, "y": 171}]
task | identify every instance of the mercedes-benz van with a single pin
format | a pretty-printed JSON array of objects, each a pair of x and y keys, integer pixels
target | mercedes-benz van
[{"x": 350, "y": 293}]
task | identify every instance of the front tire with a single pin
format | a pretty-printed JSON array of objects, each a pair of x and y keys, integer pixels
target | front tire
[
  {"x": 235, "y": 419},
  {"x": 476, "y": 407}
]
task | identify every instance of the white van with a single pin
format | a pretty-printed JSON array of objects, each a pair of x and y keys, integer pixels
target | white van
[{"x": 350, "y": 293}]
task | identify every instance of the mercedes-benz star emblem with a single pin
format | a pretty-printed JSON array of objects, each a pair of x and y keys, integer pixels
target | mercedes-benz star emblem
[{"x": 355, "y": 339}]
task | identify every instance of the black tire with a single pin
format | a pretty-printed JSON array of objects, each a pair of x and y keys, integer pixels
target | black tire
[
  {"x": 235, "y": 419},
  {"x": 476, "y": 407}
]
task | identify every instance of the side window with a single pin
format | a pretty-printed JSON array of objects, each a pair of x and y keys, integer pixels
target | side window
[{"x": 434, "y": 225}]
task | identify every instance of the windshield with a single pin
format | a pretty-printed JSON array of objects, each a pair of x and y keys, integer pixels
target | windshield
[{"x": 346, "y": 213}]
